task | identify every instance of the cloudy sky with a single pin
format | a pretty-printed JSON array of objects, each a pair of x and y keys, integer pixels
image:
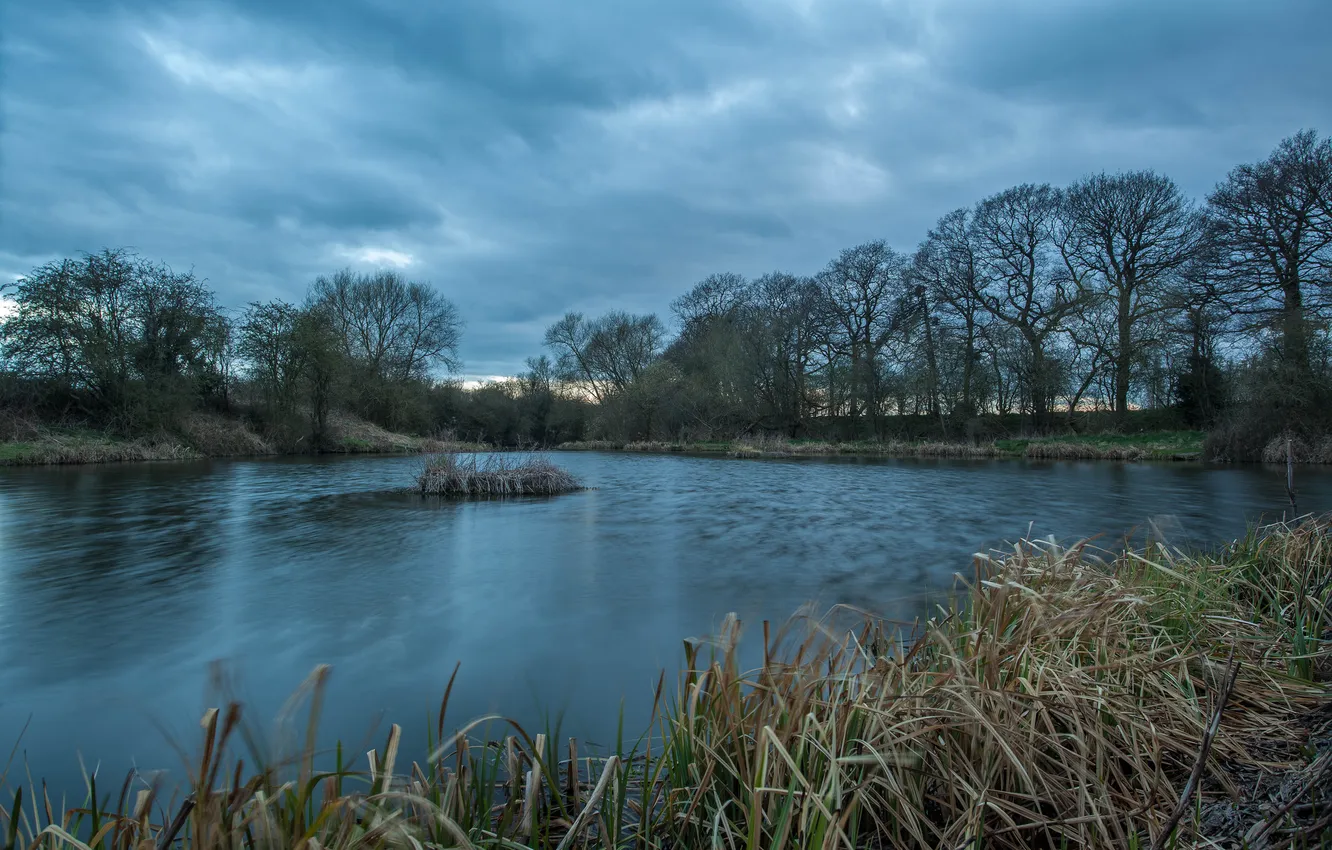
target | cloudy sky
[{"x": 529, "y": 157}]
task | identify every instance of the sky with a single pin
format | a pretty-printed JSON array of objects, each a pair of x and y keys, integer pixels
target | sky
[{"x": 530, "y": 157}]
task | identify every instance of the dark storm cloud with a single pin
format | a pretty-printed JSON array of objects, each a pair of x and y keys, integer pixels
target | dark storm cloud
[
  {"x": 1178, "y": 62},
  {"x": 532, "y": 157}
]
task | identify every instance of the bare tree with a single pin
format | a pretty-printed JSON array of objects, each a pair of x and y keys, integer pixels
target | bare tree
[
  {"x": 267, "y": 342},
  {"x": 946, "y": 262},
  {"x": 398, "y": 329},
  {"x": 784, "y": 336},
  {"x": 714, "y": 297},
  {"x": 1274, "y": 221},
  {"x": 1123, "y": 237},
  {"x": 712, "y": 355},
  {"x": 1021, "y": 282},
  {"x": 605, "y": 354},
  {"x": 863, "y": 291}
]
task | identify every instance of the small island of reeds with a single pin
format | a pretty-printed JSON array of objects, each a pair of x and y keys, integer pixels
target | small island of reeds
[{"x": 472, "y": 476}]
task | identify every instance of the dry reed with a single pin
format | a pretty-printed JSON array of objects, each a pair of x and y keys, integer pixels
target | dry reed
[
  {"x": 491, "y": 476},
  {"x": 215, "y": 435},
  {"x": 1312, "y": 450},
  {"x": 1057, "y": 450},
  {"x": 55, "y": 449}
]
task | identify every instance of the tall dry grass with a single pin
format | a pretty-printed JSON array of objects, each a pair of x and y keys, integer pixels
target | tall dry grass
[
  {"x": 215, "y": 435},
  {"x": 57, "y": 449},
  {"x": 493, "y": 475},
  {"x": 1065, "y": 698},
  {"x": 1302, "y": 450}
]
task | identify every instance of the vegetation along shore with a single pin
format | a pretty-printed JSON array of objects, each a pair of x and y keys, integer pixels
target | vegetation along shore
[
  {"x": 1041, "y": 321},
  {"x": 1066, "y": 697},
  {"x": 1168, "y": 445}
]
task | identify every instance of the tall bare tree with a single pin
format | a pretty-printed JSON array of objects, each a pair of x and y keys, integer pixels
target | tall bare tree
[
  {"x": 714, "y": 297},
  {"x": 1123, "y": 238},
  {"x": 1274, "y": 221},
  {"x": 605, "y": 354},
  {"x": 784, "y": 335},
  {"x": 398, "y": 329},
  {"x": 1021, "y": 281},
  {"x": 946, "y": 263},
  {"x": 863, "y": 290}
]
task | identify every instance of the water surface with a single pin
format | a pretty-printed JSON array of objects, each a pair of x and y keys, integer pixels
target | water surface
[{"x": 119, "y": 584}]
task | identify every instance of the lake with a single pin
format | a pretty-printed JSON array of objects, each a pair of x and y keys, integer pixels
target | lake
[{"x": 119, "y": 584}]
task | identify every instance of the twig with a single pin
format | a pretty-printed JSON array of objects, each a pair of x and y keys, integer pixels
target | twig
[
  {"x": 177, "y": 823},
  {"x": 1198, "y": 766}
]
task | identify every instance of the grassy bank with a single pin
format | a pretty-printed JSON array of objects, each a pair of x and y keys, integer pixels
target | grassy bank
[
  {"x": 1161, "y": 445},
  {"x": 1066, "y": 698},
  {"x": 202, "y": 435}
]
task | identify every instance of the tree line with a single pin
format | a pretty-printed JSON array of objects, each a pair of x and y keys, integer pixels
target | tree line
[
  {"x": 1038, "y": 308},
  {"x": 119, "y": 342}
]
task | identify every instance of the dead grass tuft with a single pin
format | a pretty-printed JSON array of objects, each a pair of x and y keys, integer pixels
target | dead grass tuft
[
  {"x": 214, "y": 435},
  {"x": 493, "y": 476},
  {"x": 1311, "y": 450}
]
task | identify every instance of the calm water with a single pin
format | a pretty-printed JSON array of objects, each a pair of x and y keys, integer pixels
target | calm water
[{"x": 119, "y": 584}]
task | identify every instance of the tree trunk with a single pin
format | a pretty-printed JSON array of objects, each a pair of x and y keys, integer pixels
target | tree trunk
[
  {"x": 931, "y": 361},
  {"x": 1124, "y": 358},
  {"x": 1295, "y": 342},
  {"x": 968, "y": 369}
]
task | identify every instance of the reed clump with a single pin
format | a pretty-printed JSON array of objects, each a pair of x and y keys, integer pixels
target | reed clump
[
  {"x": 1066, "y": 697},
  {"x": 215, "y": 435},
  {"x": 1301, "y": 450},
  {"x": 1056, "y": 450},
  {"x": 493, "y": 476}
]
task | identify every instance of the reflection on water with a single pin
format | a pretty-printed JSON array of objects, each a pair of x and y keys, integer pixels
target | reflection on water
[{"x": 118, "y": 584}]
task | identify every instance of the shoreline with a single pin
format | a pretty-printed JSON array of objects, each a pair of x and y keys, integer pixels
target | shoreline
[
  {"x": 1174, "y": 449},
  {"x": 205, "y": 437},
  {"x": 1161, "y": 692},
  {"x": 96, "y": 452},
  {"x": 217, "y": 437}
]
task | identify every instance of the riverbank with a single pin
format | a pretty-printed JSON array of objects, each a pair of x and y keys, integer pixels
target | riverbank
[
  {"x": 203, "y": 436},
  {"x": 1160, "y": 445},
  {"x": 1065, "y": 697},
  {"x": 211, "y": 435}
]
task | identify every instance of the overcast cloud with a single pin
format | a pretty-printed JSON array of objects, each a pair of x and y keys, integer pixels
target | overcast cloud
[{"x": 530, "y": 157}]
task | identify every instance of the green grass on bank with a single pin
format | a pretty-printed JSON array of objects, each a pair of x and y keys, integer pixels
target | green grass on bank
[
  {"x": 1065, "y": 698},
  {"x": 15, "y": 452},
  {"x": 1156, "y": 445}
]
